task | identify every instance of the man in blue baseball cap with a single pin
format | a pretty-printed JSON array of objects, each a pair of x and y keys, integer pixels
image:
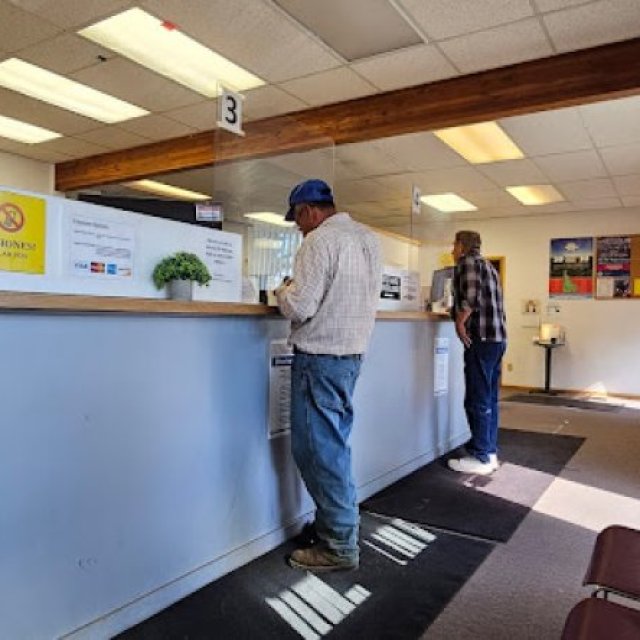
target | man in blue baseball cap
[
  {"x": 309, "y": 192},
  {"x": 331, "y": 302}
]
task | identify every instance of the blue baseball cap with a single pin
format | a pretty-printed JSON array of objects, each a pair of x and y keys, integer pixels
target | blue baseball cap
[{"x": 308, "y": 191}]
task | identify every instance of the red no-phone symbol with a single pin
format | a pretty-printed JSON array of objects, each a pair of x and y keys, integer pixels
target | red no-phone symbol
[{"x": 11, "y": 217}]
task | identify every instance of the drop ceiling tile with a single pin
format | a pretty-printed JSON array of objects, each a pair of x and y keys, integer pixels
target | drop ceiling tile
[
  {"x": 31, "y": 152},
  {"x": 580, "y": 190},
  {"x": 71, "y": 13},
  {"x": 327, "y": 87},
  {"x": 201, "y": 116},
  {"x": 498, "y": 198},
  {"x": 256, "y": 35},
  {"x": 548, "y": 132},
  {"x": 113, "y": 138},
  {"x": 579, "y": 165},
  {"x": 597, "y": 204},
  {"x": 555, "y": 5},
  {"x": 454, "y": 180},
  {"x": 15, "y": 105},
  {"x": 354, "y": 191},
  {"x": 613, "y": 122},
  {"x": 379, "y": 26},
  {"x": 363, "y": 159},
  {"x": 65, "y": 53},
  {"x": 593, "y": 24},
  {"x": 268, "y": 101},
  {"x": 498, "y": 47},
  {"x": 627, "y": 185},
  {"x": 155, "y": 127},
  {"x": 622, "y": 160},
  {"x": 396, "y": 186},
  {"x": 420, "y": 152},
  {"x": 413, "y": 66},
  {"x": 20, "y": 29},
  {"x": 513, "y": 172},
  {"x": 295, "y": 167},
  {"x": 73, "y": 147},
  {"x": 444, "y": 19},
  {"x": 131, "y": 82}
]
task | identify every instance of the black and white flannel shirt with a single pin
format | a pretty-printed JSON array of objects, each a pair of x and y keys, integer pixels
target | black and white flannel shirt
[{"x": 476, "y": 286}]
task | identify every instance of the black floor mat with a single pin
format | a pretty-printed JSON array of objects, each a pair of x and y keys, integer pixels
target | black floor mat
[
  {"x": 563, "y": 401},
  {"x": 383, "y": 599},
  {"x": 485, "y": 506}
]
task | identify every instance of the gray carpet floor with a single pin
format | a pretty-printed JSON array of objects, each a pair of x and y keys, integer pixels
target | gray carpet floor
[{"x": 527, "y": 586}]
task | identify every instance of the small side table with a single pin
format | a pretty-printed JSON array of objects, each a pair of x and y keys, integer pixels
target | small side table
[{"x": 548, "y": 346}]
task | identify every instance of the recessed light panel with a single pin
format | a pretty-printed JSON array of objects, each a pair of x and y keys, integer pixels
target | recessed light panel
[
  {"x": 161, "y": 189},
  {"x": 480, "y": 143},
  {"x": 536, "y": 194},
  {"x": 163, "y": 48},
  {"x": 270, "y": 218},
  {"x": 448, "y": 203},
  {"x": 23, "y": 132},
  {"x": 57, "y": 90}
]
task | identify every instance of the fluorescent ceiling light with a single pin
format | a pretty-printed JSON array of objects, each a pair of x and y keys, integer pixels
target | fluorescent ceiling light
[
  {"x": 46, "y": 86},
  {"x": 448, "y": 202},
  {"x": 23, "y": 132},
  {"x": 162, "y": 47},
  {"x": 481, "y": 143},
  {"x": 536, "y": 194},
  {"x": 161, "y": 189},
  {"x": 270, "y": 218}
]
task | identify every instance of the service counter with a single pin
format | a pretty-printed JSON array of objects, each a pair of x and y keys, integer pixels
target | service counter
[{"x": 136, "y": 464}]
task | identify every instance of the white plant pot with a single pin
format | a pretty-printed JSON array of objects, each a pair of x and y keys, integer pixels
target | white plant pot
[{"x": 180, "y": 290}]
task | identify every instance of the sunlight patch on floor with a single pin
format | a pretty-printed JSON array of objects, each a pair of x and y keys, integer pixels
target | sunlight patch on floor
[{"x": 587, "y": 506}]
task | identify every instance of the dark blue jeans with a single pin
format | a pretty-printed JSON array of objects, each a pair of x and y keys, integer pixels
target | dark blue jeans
[
  {"x": 321, "y": 419},
  {"x": 482, "y": 378}
]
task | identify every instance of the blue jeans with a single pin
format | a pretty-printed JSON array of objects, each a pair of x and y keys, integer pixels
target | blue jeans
[
  {"x": 321, "y": 419},
  {"x": 482, "y": 378}
]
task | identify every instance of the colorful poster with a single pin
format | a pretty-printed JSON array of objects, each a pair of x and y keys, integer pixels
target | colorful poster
[
  {"x": 614, "y": 267},
  {"x": 22, "y": 233},
  {"x": 571, "y": 268}
]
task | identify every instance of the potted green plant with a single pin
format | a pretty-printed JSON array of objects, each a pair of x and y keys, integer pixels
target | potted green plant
[{"x": 178, "y": 272}]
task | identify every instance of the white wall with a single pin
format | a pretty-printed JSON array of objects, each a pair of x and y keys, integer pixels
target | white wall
[
  {"x": 603, "y": 336},
  {"x": 22, "y": 173}
]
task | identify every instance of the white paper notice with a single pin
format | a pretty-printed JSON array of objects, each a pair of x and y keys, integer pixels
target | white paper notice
[
  {"x": 99, "y": 248},
  {"x": 441, "y": 367},
  {"x": 280, "y": 361},
  {"x": 604, "y": 287},
  {"x": 223, "y": 257}
]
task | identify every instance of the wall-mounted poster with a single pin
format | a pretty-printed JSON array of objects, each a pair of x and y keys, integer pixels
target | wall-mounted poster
[
  {"x": 613, "y": 267},
  {"x": 571, "y": 268}
]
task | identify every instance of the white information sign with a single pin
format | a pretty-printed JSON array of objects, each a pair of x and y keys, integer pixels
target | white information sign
[
  {"x": 230, "y": 111},
  {"x": 223, "y": 257},
  {"x": 209, "y": 212},
  {"x": 441, "y": 367},
  {"x": 100, "y": 248},
  {"x": 280, "y": 361}
]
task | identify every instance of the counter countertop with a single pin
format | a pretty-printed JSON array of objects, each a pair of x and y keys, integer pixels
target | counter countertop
[{"x": 11, "y": 301}]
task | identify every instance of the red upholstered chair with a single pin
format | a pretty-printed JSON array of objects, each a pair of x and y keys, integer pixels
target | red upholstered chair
[
  {"x": 598, "y": 619},
  {"x": 615, "y": 562}
]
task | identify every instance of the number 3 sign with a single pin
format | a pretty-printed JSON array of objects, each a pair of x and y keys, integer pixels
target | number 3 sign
[{"x": 230, "y": 111}]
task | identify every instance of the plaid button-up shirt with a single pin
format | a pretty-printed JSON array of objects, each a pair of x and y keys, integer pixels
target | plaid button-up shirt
[
  {"x": 476, "y": 286},
  {"x": 336, "y": 284}
]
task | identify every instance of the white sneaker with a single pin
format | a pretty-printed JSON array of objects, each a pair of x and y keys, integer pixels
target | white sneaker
[
  {"x": 469, "y": 464},
  {"x": 493, "y": 461}
]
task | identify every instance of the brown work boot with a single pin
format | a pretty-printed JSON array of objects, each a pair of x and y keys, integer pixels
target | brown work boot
[{"x": 320, "y": 559}]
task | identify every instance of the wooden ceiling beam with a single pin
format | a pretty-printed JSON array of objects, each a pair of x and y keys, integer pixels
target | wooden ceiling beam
[{"x": 579, "y": 77}]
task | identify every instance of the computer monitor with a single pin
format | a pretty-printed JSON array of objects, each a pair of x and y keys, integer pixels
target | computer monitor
[{"x": 439, "y": 283}]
